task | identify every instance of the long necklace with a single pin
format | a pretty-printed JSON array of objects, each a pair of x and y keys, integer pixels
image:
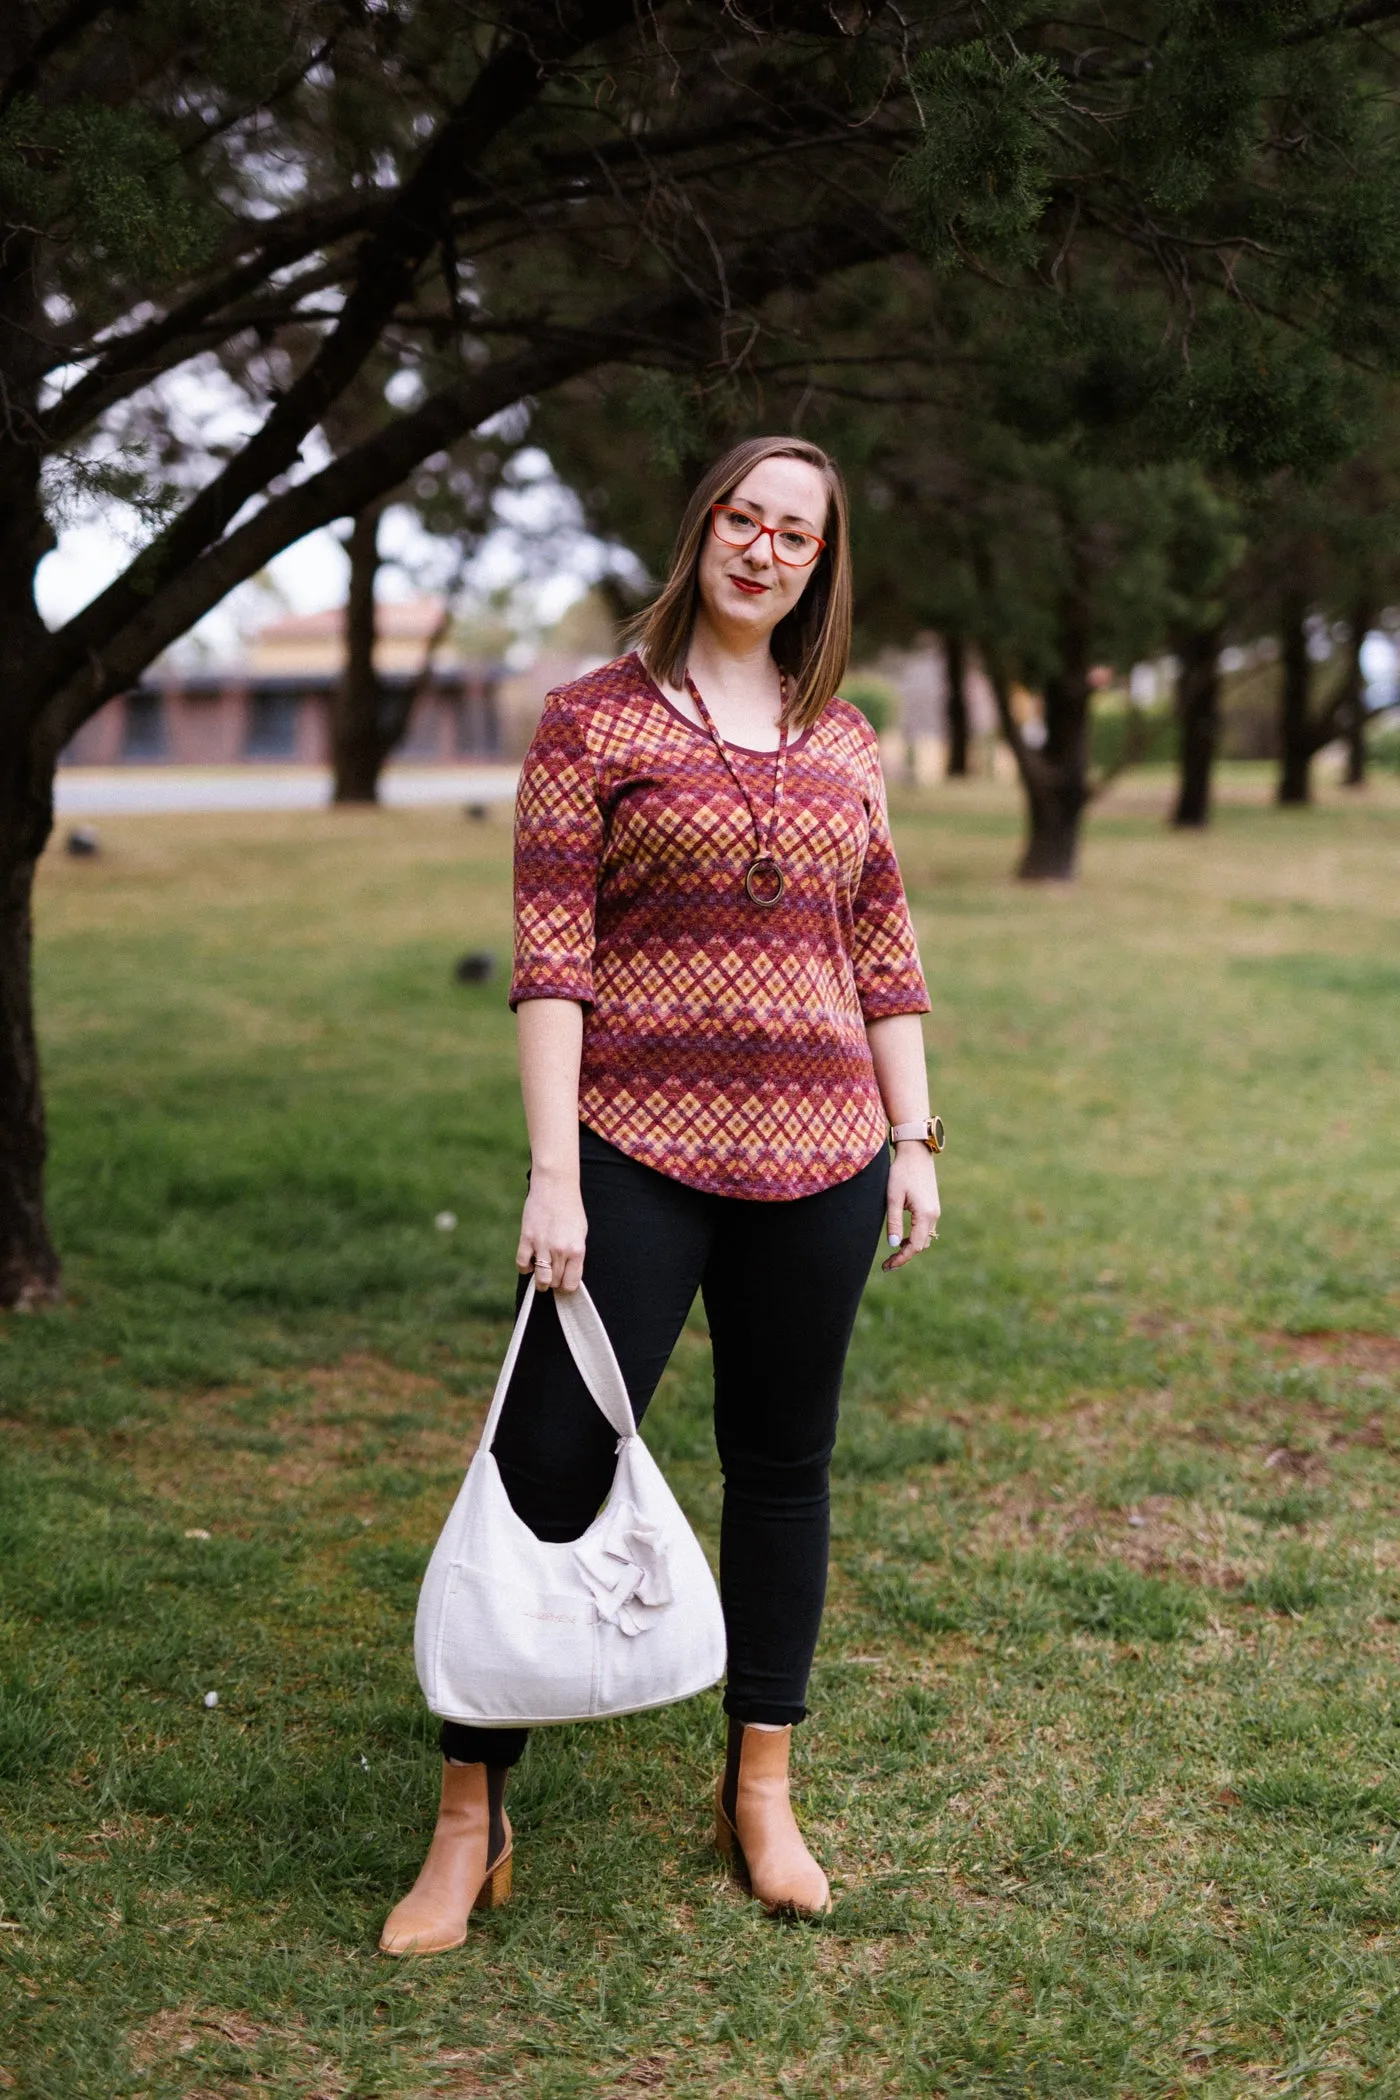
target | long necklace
[{"x": 763, "y": 878}]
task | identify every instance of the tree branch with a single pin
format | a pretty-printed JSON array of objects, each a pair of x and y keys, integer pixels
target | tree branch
[
  {"x": 1028, "y": 762},
  {"x": 1365, "y": 15},
  {"x": 112, "y": 640},
  {"x": 78, "y": 16},
  {"x": 389, "y": 260},
  {"x": 129, "y": 362},
  {"x": 1362, "y": 16},
  {"x": 203, "y": 319},
  {"x": 1137, "y": 739},
  {"x": 107, "y": 646},
  {"x": 1328, "y": 725}
]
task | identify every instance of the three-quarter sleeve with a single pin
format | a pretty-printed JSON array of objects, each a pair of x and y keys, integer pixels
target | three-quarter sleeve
[
  {"x": 558, "y": 847},
  {"x": 885, "y": 954}
]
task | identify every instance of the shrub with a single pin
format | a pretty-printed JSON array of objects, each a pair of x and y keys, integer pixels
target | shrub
[
  {"x": 876, "y": 698},
  {"x": 1385, "y": 744},
  {"x": 1152, "y": 729}
]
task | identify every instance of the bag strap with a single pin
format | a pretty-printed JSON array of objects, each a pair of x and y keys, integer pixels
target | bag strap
[
  {"x": 592, "y": 1352},
  {"x": 598, "y": 1367}
]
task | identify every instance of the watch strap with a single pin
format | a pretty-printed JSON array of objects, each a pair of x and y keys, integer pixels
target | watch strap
[{"x": 928, "y": 1131}]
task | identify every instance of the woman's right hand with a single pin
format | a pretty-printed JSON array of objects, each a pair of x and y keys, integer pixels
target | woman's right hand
[{"x": 553, "y": 1230}]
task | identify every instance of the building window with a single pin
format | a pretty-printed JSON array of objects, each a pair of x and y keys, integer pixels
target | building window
[
  {"x": 273, "y": 721},
  {"x": 143, "y": 725},
  {"x": 475, "y": 725},
  {"x": 421, "y": 739}
]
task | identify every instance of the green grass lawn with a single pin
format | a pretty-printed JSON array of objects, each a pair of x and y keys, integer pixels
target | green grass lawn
[{"x": 1105, "y": 1751}]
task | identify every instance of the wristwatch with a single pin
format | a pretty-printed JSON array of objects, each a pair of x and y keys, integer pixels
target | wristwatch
[{"x": 928, "y": 1133}]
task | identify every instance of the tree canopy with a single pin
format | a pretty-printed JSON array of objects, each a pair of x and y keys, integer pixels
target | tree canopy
[{"x": 508, "y": 198}]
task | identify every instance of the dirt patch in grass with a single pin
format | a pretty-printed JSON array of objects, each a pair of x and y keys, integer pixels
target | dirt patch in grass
[
  {"x": 464, "y": 2079},
  {"x": 665, "y": 2072},
  {"x": 645, "y": 2074},
  {"x": 360, "y": 1382},
  {"x": 359, "y": 1413},
  {"x": 1159, "y": 1536},
  {"x": 1331, "y": 1349},
  {"x": 232, "y": 2055}
]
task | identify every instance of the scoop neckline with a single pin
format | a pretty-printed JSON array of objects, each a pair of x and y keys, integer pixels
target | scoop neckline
[{"x": 699, "y": 729}]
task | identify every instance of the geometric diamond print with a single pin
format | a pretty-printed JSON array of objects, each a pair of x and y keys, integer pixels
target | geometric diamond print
[{"x": 723, "y": 1044}]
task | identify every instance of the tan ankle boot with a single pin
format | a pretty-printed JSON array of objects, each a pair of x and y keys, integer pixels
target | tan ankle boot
[
  {"x": 467, "y": 1867},
  {"x": 755, "y": 1827}
]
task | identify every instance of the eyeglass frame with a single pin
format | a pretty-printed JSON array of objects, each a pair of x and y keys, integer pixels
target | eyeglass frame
[{"x": 742, "y": 546}]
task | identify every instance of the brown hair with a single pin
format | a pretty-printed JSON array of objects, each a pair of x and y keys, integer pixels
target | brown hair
[{"x": 812, "y": 643}]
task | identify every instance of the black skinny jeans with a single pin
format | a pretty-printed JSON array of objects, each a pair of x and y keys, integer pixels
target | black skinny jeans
[{"x": 781, "y": 1283}]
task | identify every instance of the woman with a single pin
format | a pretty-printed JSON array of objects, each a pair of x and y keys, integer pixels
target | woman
[{"x": 717, "y": 992}]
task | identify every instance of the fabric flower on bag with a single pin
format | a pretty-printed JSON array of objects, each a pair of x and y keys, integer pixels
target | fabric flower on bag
[{"x": 625, "y": 1569}]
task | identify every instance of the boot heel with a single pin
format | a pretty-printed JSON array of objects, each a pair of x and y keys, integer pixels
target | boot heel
[
  {"x": 495, "y": 1890},
  {"x": 727, "y": 1844}
]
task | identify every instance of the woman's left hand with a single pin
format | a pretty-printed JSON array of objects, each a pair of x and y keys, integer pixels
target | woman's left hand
[{"x": 912, "y": 1187}]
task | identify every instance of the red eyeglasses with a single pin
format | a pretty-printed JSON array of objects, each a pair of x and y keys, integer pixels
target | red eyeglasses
[{"x": 795, "y": 550}]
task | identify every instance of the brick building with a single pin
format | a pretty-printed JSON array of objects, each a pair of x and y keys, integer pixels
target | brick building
[{"x": 273, "y": 708}]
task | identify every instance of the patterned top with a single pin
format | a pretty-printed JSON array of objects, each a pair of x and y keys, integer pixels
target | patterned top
[{"x": 723, "y": 1044}]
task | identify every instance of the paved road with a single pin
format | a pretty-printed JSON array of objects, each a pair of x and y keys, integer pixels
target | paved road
[{"x": 146, "y": 791}]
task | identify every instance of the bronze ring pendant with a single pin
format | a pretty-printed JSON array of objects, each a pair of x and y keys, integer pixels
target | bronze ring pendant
[{"x": 770, "y": 881}]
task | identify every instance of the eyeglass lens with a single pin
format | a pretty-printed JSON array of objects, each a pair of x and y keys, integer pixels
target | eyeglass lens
[{"x": 796, "y": 550}]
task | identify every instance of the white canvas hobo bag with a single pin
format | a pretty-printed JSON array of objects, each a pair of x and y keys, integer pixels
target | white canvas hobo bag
[{"x": 514, "y": 1631}]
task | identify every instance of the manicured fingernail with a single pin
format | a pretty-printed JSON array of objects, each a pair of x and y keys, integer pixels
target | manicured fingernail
[{"x": 895, "y": 1240}]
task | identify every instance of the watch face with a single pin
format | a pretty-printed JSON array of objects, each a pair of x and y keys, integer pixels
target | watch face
[{"x": 935, "y": 1131}]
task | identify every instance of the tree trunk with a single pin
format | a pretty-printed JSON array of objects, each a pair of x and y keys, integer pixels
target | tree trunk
[
  {"x": 29, "y": 1269},
  {"x": 1355, "y": 774},
  {"x": 1055, "y": 777},
  {"x": 1295, "y": 726},
  {"x": 955, "y": 658},
  {"x": 1055, "y": 809},
  {"x": 28, "y": 1262},
  {"x": 1057, "y": 785},
  {"x": 358, "y": 743},
  {"x": 1353, "y": 697},
  {"x": 1198, "y": 722}
]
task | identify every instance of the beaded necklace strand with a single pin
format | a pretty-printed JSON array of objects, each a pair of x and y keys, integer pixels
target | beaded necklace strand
[{"x": 764, "y": 882}]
